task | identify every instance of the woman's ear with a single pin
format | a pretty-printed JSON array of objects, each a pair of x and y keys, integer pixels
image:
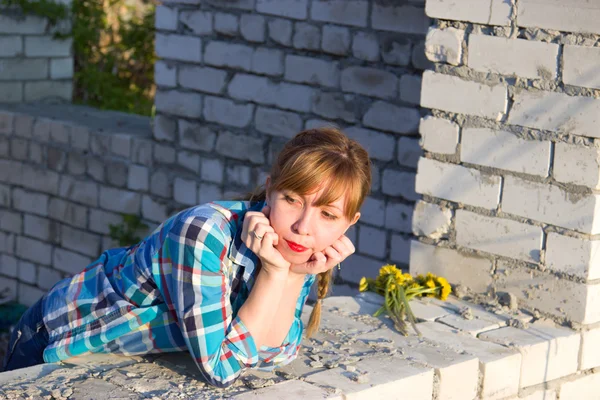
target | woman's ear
[{"x": 355, "y": 219}]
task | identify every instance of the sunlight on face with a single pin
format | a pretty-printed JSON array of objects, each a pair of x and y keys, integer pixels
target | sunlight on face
[{"x": 304, "y": 228}]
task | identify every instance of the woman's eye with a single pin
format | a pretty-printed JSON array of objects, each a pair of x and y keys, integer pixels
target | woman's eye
[
  {"x": 289, "y": 199},
  {"x": 329, "y": 215}
]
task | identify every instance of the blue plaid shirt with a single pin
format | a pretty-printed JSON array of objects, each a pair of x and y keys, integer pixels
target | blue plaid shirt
[{"x": 179, "y": 289}]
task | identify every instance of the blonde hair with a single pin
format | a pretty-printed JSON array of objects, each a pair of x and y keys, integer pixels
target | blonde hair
[{"x": 317, "y": 158}]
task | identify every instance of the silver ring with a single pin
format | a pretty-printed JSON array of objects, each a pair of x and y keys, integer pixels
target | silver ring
[{"x": 256, "y": 235}]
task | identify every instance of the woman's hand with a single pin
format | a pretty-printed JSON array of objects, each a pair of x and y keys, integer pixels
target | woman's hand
[
  {"x": 260, "y": 237},
  {"x": 323, "y": 261}
]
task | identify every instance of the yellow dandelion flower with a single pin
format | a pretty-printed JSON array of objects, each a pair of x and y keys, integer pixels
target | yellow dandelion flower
[
  {"x": 363, "y": 284},
  {"x": 445, "y": 288},
  {"x": 388, "y": 269}
]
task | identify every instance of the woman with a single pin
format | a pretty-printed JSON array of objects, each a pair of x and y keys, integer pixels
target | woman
[{"x": 225, "y": 281}]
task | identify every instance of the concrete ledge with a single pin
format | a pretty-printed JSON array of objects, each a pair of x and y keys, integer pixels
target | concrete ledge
[{"x": 461, "y": 355}]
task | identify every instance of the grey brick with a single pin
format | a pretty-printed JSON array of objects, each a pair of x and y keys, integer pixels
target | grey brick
[
  {"x": 80, "y": 137},
  {"x": 34, "y": 203},
  {"x": 142, "y": 151},
  {"x": 41, "y": 129},
  {"x": 40, "y": 179},
  {"x": 18, "y": 148},
  {"x": 227, "y": 112},
  {"x": 226, "y": 24},
  {"x": 185, "y": 191},
  {"x": 179, "y": 103},
  {"x": 379, "y": 145},
  {"x": 410, "y": 89},
  {"x": 209, "y": 192},
  {"x": 280, "y": 31},
  {"x": 100, "y": 221},
  {"x": 8, "y": 265},
  {"x": 138, "y": 178},
  {"x": 252, "y": 27},
  {"x": 307, "y": 36},
  {"x": 224, "y": 54},
  {"x": 397, "y": 51},
  {"x": 153, "y": 210},
  {"x": 400, "y": 249},
  {"x": 204, "y": 79},
  {"x": 398, "y": 216},
  {"x": 178, "y": 47},
  {"x": 47, "y": 46},
  {"x": 8, "y": 122},
  {"x": 409, "y": 151},
  {"x": 11, "y": 221},
  {"x": 36, "y": 153},
  {"x": 69, "y": 262},
  {"x": 165, "y": 74},
  {"x": 311, "y": 70},
  {"x": 343, "y": 12},
  {"x": 388, "y": 117},
  {"x": 56, "y": 159},
  {"x": 267, "y": 61},
  {"x": 27, "y": 272},
  {"x": 67, "y": 212},
  {"x": 356, "y": 266},
  {"x": 196, "y": 136},
  {"x": 373, "y": 211},
  {"x": 80, "y": 241},
  {"x": 199, "y": 22},
  {"x": 59, "y": 132},
  {"x": 241, "y": 147},
  {"x": 296, "y": 9},
  {"x": 365, "y": 46},
  {"x": 34, "y": 250},
  {"x": 11, "y": 46},
  {"x": 336, "y": 40},
  {"x": 61, "y": 68},
  {"x": 404, "y": 19},
  {"x": 29, "y": 295},
  {"x": 123, "y": 201},
  {"x": 278, "y": 123},
  {"x": 7, "y": 243},
  {"x": 399, "y": 183},
  {"x": 371, "y": 241},
  {"x": 120, "y": 145},
  {"x": 165, "y": 128},
  {"x": 80, "y": 191},
  {"x": 164, "y": 154},
  {"x": 370, "y": 82},
  {"x": 418, "y": 58},
  {"x": 41, "y": 228},
  {"x": 238, "y": 174},
  {"x": 4, "y": 196},
  {"x": 99, "y": 144},
  {"x": 23, "y": 69},
  {"x": 189, "y": 160},
  {"x": 212, "y": 170},
  {"x": 48, "y": 91},
  {"x": 335, "y": 106},
  {"x": 4, "y": 147},
  {"x": 166, "y": 18},
  {"x": 264, "y": 91},
  {"x": 47, "y": 277},
  {"x": 95, "y": 168},
  {"x": 160, "y": 184},
  {"x": 11, "y": 92}
]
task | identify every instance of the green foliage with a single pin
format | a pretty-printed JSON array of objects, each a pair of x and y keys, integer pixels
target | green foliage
[
  {"x": 44, "y": 8},
  {"x": 114, "y": 55},
  {"x": 113, "y": 47},
  {"x": 126, "y": 233}
]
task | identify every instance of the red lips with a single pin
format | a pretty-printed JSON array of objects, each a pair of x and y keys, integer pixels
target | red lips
[{"x": 296, "y": 247}]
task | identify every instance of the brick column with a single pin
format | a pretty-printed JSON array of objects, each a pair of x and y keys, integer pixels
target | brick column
[
  {"x": 34, "y": 65},
  {"x": 511, "y": 166}
]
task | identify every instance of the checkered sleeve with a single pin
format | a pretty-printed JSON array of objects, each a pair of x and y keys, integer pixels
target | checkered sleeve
[
  {"x": 272, "y": 357},
  {"x": 199, "y": 291}
]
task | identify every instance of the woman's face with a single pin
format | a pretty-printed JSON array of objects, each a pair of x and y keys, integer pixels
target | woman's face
[{"x": 304, "y": 228}]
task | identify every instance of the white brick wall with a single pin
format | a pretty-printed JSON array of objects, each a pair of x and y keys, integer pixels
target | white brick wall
[
  {"x": 504, "y": 150},
  {"x": 574, "y": 256},
  {"x": 498, "y": 236},
  {"x": 438, "y": 135},
  {"x": 493, "y": 12},
  {"x": 551, "y": 204},
  {"x": 580, "y": 62},
  {"x": 343, "y": 12},
  {"x": 577, "y": 164},
  {"x": 573, "y": 16},
  {"x": 526, "y": 58},
  {"x": 456, "y": 183},
  {"x": 444, "y": 45},
  {"x": 454, "y": 94}
]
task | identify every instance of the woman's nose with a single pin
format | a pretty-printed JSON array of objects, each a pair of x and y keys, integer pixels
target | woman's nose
[{"x": 302, "y": 224}]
